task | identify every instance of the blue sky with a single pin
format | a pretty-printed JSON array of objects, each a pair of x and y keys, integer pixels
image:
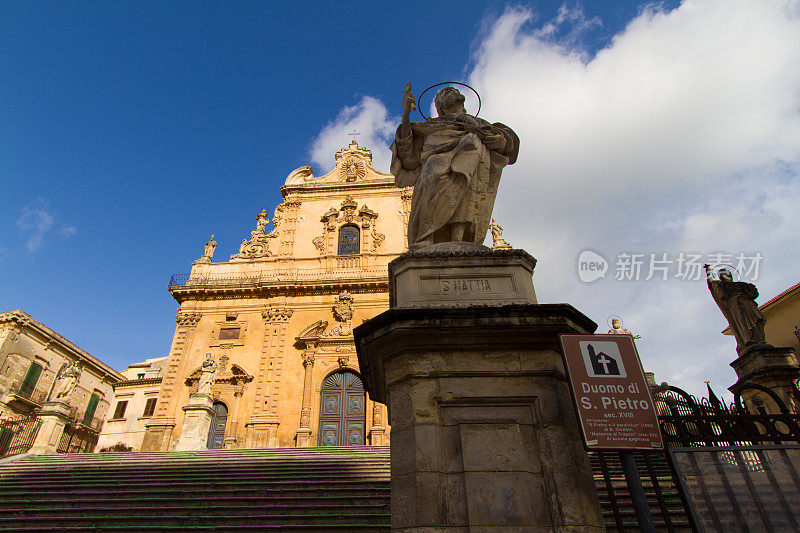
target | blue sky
[{"x": 130, "y": 131}]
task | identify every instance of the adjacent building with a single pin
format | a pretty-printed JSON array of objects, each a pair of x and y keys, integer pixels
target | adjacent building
[{"x": 37, "y": 365}]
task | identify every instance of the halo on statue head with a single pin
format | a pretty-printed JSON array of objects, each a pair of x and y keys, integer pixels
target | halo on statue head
[
  {"x": 611, "y": 318},
  {"x": 732, "y": 269},
  {"x": 419, "y": 107}
]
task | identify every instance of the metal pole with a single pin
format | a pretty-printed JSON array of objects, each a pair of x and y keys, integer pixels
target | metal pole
[{"x": 637, "y": 492}]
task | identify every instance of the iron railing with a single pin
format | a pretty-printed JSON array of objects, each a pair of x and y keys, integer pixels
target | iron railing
[
  {"x": 17, "y": 434},
  {"x": 688, "y": 422}
]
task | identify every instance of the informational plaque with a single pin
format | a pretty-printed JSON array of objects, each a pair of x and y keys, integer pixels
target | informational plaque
[{"x": 610, "y": 393}]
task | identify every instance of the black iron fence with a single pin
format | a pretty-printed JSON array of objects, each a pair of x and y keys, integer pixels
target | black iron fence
[
  {"x": 17, "y": 434},
  {"x": 726, "y": 436},
  {"x": 77, "y": 438}
]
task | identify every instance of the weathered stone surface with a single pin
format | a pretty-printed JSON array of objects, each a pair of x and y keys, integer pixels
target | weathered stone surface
[
  {"x": 484, "y": 434},
  {"x": 459, "y": 275}
]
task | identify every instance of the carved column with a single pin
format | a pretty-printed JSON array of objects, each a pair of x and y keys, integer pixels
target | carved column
[
  {"x": 377, "y": 433},
  {"x": 303, "y": 438},
  {"x": 158, "y": 435},
  {"x": 262, "y": 428}
]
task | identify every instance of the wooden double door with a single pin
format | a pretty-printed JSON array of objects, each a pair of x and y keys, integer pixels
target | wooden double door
[{"x": 342, "y": 410}]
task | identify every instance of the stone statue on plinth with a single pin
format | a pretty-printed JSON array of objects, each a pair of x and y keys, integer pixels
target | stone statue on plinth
[
  {"x": 67, "y": 382},
  {"x": 617, "y": 329},
  {"x": 498, "y": 242},
  {"x": 454, "y": 162},
  {"x": 208, "y": 251},
  {"x": 207, "y": 373},
  {"x": 737, "y": 301}
]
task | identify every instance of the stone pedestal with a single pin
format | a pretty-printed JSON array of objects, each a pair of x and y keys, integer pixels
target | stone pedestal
[
  {"x": 483, "y": 430},
  {"x": 196, "y": 423},
  {"x": 262, "y": 432},
  {"x": 53, "y": 417},
  {"x": 773, "y": 367},
  {"x": 158, "y": 435}
]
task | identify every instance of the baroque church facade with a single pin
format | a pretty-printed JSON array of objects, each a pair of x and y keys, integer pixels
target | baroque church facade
[{"x": 278, "y": 317}]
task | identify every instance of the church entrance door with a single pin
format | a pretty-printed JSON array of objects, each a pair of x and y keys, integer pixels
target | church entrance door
[
  {"x": 216, "y": 433},
  {"x": 342, "y": 414}
]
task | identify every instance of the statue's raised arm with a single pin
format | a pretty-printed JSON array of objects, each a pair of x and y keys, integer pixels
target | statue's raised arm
[{"x": 454, "y": 161}]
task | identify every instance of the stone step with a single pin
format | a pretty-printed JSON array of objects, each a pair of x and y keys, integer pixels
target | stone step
[
  {"x": 200, "y": 509},
  {"x": 137, "y": 523},
  {"x": 352, "y": 527},
  {"x": 235, "y": 492}
]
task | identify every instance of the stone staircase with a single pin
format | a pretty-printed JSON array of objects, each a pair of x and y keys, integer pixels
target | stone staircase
[{"x": 285, "y": 489}]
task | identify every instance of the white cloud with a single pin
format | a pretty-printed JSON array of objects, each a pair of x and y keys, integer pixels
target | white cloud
[
  {"x": 371, "y": 120},
  {"x": 682, "y": 135},
  {"x": 36, "y": 220}
]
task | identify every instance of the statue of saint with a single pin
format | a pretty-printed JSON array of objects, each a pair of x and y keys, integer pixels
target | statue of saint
[
  {"x": 617, "y": 329},
  {"x": 497, "y": 236},
  {"x": 207, "y": 372},
  {"x": 737, "y": 301},
  {"x": 261, "y": 222},
  {"x": 454, "y": 162},
  {"x": 208, "y": 250},
  {"x": 67, "y": 381}
]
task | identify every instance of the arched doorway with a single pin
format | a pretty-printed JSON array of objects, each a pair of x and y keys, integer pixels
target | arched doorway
[
  {"x": 216, "y": 433},
  {"x": 342, "y": 413}
]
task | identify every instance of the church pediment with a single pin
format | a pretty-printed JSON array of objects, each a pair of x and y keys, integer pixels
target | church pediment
[{"x": 353, "y": 164}]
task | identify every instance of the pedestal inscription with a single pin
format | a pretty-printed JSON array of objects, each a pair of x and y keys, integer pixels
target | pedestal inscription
[{"x": 461, "y": 274}]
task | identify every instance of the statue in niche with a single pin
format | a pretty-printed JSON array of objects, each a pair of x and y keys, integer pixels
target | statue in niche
[
  {"x": 737, "y": 301},
  {"x": 617, "y": 329},
  {"x": 207, "y": 372},
  {"x": 497, "y": 236},
  {"x": 67, "y": 381},
  {"x": 208, "y": 250},
  {"x": 454, "y": 161}
]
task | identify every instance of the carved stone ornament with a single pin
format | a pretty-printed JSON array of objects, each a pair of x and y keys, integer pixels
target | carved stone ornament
[
  {"x": 349, "y": 213},
  {"x": 258, "y": 245},
  {"x": 352, "y": 169},
  {"x": 208, "y": 251},
  {"x": 184, "y": 318},
  {"x": 275, "y": 314},
  {"x": 343, "y": 313}
]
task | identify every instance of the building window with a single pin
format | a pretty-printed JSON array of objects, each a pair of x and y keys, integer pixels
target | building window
[
  {"x": 139, "y": 376},
  {"x": 119, "y": 411},
  {"x": 31, "y": 378},
  {"x": 229, "y": 333},
  {"x": 149, "y": 407},
  {"x": 91, "y": 407},
  {"x": 349, "y": 240}
]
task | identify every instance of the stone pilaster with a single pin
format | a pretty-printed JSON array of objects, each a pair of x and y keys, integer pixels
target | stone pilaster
[
  {"x": 262, "y": 428},
  {"x": 377, "y": 433},
  {"x": 158, "y": 433},
  {"x": 303, "y": 437}
]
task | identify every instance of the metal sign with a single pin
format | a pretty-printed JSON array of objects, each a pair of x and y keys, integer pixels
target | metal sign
[{"x": 610, "y": 393}]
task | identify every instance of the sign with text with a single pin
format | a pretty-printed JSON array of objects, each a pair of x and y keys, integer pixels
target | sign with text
[{"x": 610, "y": 393}]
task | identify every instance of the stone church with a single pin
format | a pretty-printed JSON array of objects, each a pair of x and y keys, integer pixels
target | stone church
[{"x": 277, "y": 318}]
